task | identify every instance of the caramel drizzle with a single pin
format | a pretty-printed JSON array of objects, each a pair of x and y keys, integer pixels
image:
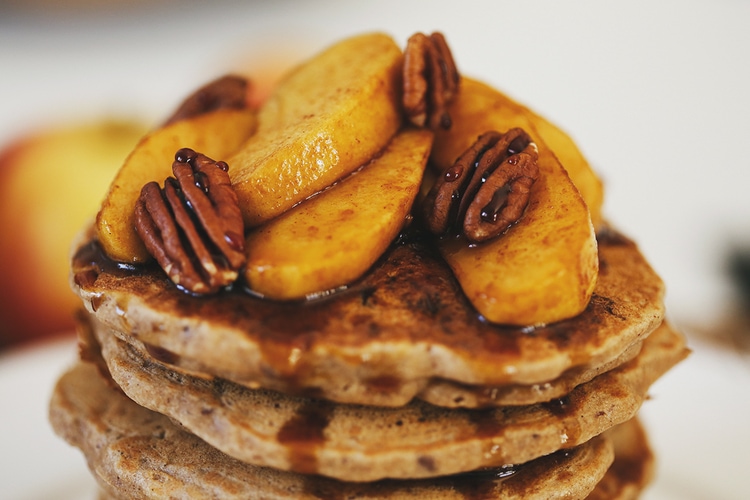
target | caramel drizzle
[{"x": 304, "y": 434}]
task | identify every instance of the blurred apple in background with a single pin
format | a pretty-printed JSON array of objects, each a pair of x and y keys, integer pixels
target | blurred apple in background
[{"x": 51, "y": 184}]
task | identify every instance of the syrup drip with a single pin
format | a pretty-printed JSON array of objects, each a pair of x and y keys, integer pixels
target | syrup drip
[
  {"x": 558, "y": 406},
  {"x": 384, "y": 384},
  {"x": 566, "y": 410},
  {"x": 481, "y": 484},
  {"x": 487, "y": 423},
  {"x": 304, "y": 434},
  {"x": 92, "y": 261},
  {"x": 163, "y": 355}
]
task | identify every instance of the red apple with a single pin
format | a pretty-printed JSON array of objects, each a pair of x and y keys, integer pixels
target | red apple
[{"x": 51, "y": 184}]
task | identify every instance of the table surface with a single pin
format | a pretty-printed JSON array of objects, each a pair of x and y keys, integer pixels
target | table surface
[{"x": 655, "y": 93}]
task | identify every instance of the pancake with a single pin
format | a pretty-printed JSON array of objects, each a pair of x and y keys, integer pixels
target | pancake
[
  {"x": 454, "y": 395},
  {"x": 633, "y": 468},
  {"x": 136, "y": 453},
  {"x": 379, "y": 342},
  {"x": 366, "y": 443},
  {"x": 438, "y": 392},
  {"x": 625, "y": 479}
]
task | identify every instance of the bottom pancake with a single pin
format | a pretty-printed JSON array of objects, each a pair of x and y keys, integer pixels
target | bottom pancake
[
  {"x": 627, "y": 477},
  {"x": 136, "y": 453}
]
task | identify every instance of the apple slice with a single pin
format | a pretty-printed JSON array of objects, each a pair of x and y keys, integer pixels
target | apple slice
[
  {"x": 561, "y": 144},
  {"x": 578, "y": 168},
  {"x": 544, "y": 268},
  {"x": 324, "y": 120},
  {"x": 333, "y": 238},
  {"x": 217, "y": 134}
]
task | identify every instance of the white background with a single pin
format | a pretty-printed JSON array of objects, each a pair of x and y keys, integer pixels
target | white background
[{"x": 655, "y": 93}]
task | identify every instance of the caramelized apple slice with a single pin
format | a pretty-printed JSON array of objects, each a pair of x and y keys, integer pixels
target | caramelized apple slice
[
  {"x": 323, "y": 121},
  {"x": 544, "y": 268},
  {"x": 333, "y": 238},
  {"x": 578, "y": 168},
  {"x": 217, "y": 134},
  {"x": 567, "y": 152}
]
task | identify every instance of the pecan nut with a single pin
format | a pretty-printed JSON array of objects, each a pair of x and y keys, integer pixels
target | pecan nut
[
  {"x": 431, "y": 80},
  {"x": 193, "y": 227},
  {"x": 487, "y": 189},
  {"x": 227, "y": 92}
]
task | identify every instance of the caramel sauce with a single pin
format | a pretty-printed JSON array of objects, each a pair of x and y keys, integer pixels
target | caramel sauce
[
  {"x": 481, "y": 484},
  {"x": 304, "y": 434},
  {"x": 475, "y": 485},
  {"x": 384, "y": 384},
  {"x": 486, "y": 422},
  {"x": 96, "y": 301},
  {"x": 566, "y": 409},
  {"x": 558, "y": 406},
  {"x": 89, "y": 261},
  {"x": 162, "y": 355}
]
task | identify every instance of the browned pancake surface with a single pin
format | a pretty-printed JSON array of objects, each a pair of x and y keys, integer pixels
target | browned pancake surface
[{"x": 382, "y": 340}]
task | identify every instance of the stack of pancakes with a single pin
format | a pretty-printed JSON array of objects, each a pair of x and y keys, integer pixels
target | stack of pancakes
[{"x": 392, "y": 388}]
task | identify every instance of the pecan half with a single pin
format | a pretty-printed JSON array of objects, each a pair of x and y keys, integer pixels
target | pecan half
[
  {"x": 431, "y": 80},
  {"x": 486, "y": 191},
  {"x": 226, "y": 92},
  {"x": 193, "y": 226}
]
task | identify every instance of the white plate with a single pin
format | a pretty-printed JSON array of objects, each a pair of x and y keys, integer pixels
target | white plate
[{"x": 34, "y": 463}]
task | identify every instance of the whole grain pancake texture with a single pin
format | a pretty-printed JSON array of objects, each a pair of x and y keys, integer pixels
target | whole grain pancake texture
[{"x": 386, "y": 280}]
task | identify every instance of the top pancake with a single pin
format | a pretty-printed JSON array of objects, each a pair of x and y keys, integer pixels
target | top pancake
[{"x": 383, "y": 339}]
